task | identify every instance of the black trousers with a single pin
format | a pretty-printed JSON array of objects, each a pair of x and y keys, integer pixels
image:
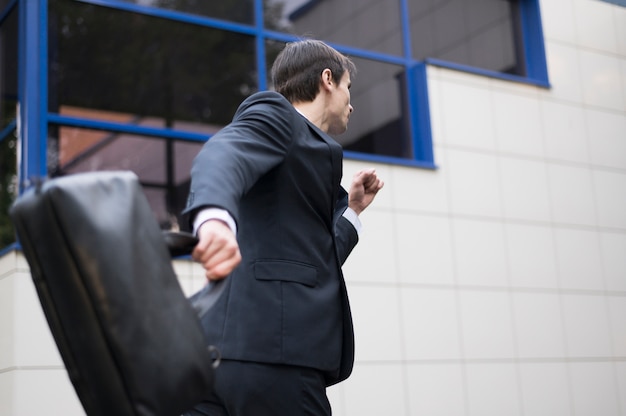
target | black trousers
[{"x": 255, "y": 389}]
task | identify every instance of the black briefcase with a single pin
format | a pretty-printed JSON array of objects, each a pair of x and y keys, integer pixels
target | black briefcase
[{"x": 130, "y": 340}]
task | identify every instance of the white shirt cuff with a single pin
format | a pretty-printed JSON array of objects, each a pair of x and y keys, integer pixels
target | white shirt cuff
[
  {"x": 223, "y": 215},
  {"x": 352, "y": 216},
  {"x": 214, "y": 214}
]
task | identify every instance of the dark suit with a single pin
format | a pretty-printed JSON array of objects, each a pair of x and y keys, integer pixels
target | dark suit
[{"x": 279, "y": 176}]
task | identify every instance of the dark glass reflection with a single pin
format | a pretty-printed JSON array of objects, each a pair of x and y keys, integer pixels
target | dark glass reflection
[
  {"x": 368, "y": 24},
  {"x": 379, "y": 122},
  {"x": 8, "y": 186},
  {"x": 8, "y": 69},
  {"x": 241, "y": 11},
  {"x": 136, "y": 67},
  {"x": 3, "y": 4},
  {"x": 8, "y": 112},
  {"x": 480, "y": 33},
  {"x": 162, "y": 165}
]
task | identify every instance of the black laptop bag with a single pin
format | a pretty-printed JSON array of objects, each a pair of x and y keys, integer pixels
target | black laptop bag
[{"x": 129, "y": 338}]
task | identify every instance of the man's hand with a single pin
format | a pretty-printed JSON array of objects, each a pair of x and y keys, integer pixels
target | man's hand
[
  {"x": 365, "y": 185},
  {"x": 217, "y": 249}
]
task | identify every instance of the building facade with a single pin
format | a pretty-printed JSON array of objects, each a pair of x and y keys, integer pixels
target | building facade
[{"x": 491, "y": 275}]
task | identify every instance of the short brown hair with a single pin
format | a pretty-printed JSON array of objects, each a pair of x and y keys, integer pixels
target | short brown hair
[{"x": 297, "y": 69}]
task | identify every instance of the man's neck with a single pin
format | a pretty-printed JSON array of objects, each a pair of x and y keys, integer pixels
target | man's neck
[{"x": 314, "y": 111}]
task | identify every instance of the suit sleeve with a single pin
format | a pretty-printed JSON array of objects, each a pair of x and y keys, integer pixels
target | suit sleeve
[
  {"x": 346, "y": 236},
  {"x": 231, "y": 162}
]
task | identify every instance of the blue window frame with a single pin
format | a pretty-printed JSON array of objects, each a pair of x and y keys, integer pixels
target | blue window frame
[
  {"x": 618, "y": 2},
  {"x": 35, "y": 118}
]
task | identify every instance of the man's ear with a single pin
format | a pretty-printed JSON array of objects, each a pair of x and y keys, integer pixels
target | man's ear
[{"x": 326, "y": 78}]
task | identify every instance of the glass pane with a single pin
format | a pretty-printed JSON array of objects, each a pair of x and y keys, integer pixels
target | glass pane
[
  {"x": 480, "y": 33},
  {"x": 162, "y": 165},
  {"x": 175, "y": 74},
  {"x": 8, "y": 69},
  {"x": 241, "y": 11},
  {"x": 379, "y": 122},
  {"x": 367, "y": 24},
  {"x": 8, "y": 187}
]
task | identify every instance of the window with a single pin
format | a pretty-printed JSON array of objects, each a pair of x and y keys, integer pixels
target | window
[
  {"x": 373, "y": 25},
  {"x": 137, "y": 69},
  {"x": 141, "y": 84},
  {"x": 8, "y": 113},
  {"x": 8, "y": 66},
  {"x": 241, "y": 11},
  {"x": 162, "y": 165},
  {"x": 479, "y": 33},
  {"x": 618, "y": 2}
]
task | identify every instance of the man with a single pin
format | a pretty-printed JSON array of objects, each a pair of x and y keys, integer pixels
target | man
[{"x": 270, "y": 213}]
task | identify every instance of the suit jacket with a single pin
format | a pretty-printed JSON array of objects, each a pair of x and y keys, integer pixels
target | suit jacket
[{"x": 279, "y": 177}]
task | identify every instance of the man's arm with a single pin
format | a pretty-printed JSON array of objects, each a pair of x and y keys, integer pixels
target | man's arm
[
  {"x": 365, "y": 185},
  {"x": 255, "y": 142}
]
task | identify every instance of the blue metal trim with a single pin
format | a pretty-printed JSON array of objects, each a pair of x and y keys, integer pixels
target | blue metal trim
[
  {"x": 7, "y": 9},
  {"x": 11, "y": 247},
  {"x": 126, "y": 128},
  {"x": 532, "y": 36},
  {"x": 388, "y": 160},
  {"x": 175, "y": 15},
  {"x": 347, "y": 50},
  {"x": 280, "y": 36},
  {"x": 32, "y": 89},
  {"x": 303, "y": 9},
  {"x": 406, "y": 30},
  {"x": 8, "y": 130},
  {"x": 260, "y": 63},
  {"x": 257, "y": 29},
  {"x": 417, "y": 82},
  {"x": 486, "y": 73},
  {"x": 373, "y": 55},
  {"x": 420, "y": 133},
  {"x": 617, "y": 2}
]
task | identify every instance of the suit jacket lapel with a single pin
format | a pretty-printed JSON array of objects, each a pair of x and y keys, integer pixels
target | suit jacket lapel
[{"x": 336, "y": 155}]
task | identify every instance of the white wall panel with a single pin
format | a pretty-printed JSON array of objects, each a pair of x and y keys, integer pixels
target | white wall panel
[
  {"x": 473, "y": 183},
  {"x": 572, "y": 195},
  {"x": 538, "y": 325},
  {"x": 525, "y": 189},
  {"x": 480, "y": 253},
  {"x": 595, "y": 25},
  {"x": 493, "y": 390},
  {"x": 426, "y": 338},
  {"x": 601, "y": 78},
  {"x": 611, "y": 204},
  {"x": 518, "y": 124},
  {"x": 564, "y": 72},
  {"x": 436, "y": 389},
  {"x": 565, "y": 132},
  {"x": 594, "y": 391},
  {"x": 531, "y": 256},
  {"x": 424, "y": 250},
  {"x": 545, "y": 389},
  {"x": 607, "y": 138}
]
